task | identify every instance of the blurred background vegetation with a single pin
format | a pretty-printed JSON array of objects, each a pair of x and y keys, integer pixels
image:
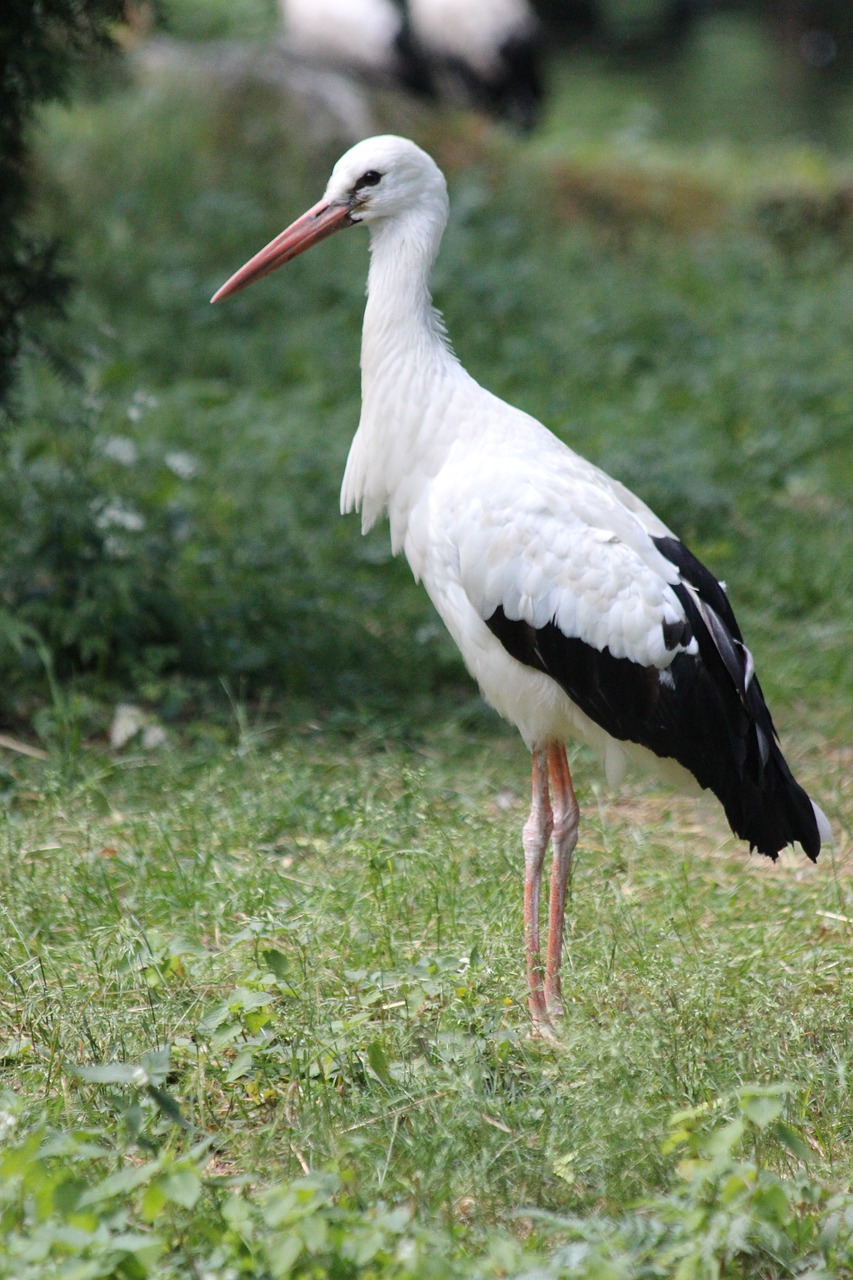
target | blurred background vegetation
[{"x": 661, "y": 271}]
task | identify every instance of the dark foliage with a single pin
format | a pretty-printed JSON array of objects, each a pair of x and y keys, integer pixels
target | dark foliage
[{"x": 41, "y": 42}]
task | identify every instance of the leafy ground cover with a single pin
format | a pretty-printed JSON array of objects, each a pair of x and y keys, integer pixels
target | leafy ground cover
[{"x": 261, "y": 990}]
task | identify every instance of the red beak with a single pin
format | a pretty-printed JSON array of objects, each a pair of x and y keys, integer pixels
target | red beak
[{"x": 320, "y": 221}]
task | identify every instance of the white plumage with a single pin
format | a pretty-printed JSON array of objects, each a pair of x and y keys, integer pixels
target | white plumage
[
  {"x": 578, "y": 612},
  {"x": 472, "y": 31},
  {"x": 480, "y": 52},
  {"x": 362, "y": 34}
]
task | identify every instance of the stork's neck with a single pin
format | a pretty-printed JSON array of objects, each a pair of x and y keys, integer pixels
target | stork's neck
[
  {"x": 403, "y": 335},
  {"x": 407, "y": 374}
]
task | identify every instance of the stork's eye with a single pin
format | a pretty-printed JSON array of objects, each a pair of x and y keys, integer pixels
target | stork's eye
[{"x": 369, "y": 179}]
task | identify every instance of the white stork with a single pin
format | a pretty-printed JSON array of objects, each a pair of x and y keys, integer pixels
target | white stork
[
  {"x": 484, "y": 53},
  {"x": 578, "y": 612}
]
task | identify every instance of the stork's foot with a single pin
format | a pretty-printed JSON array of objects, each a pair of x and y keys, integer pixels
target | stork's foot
[
  {"x": 545, "y": 1012},
  {"x": 536, "y": 996},
  {"x": 554, "y": 1007},
  {"x": 543, "y": 1029}
]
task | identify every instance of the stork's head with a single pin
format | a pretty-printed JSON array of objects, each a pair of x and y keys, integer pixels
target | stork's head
[
  {"x": 377, "y": 180},
  {"x": 384, "y": 177}
]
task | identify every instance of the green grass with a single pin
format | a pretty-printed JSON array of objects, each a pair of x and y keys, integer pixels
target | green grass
[
  {"x": 262, "y": 1003},
  {"x": 373, "y": 897},
  {"x": 325, "y": 936}
]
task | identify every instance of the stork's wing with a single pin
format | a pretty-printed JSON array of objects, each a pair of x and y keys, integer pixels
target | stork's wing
[
  {"x": 561, "y": 550},
  {"x": 635, "y": 630}
]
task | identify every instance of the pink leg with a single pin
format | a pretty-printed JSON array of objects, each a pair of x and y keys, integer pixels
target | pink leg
[
  {"x": 564, "y": 838},
  {"x": 535, "y": 836}
]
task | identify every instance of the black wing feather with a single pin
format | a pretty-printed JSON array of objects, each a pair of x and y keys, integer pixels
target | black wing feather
[{"x": 706, "y": 710}]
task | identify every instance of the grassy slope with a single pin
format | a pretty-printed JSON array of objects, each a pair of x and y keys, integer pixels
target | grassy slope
[{"x": 325, "y": 926}]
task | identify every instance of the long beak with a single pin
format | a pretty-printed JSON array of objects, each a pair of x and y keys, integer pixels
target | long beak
[{"x": 322, "y": 220}]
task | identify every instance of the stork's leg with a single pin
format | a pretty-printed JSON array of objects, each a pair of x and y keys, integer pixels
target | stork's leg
[
  {"x": 564, "y": 837},
  {"x": 535, "y": 836}
]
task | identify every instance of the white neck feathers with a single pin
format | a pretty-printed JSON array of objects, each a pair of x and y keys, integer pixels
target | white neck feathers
[{"x": 406, "y": 363}]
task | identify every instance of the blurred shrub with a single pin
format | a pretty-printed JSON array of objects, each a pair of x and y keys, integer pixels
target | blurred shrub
[
  {"x": 130, "y": 558},
  {"x": 87, "y": 548},
  {"x": 218, "y": 19}
]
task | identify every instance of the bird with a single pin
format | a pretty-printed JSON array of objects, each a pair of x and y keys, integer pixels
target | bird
[
  {"x": 579, "y": 613},
  {"x": 367, "y": 36},
  {"x": 486, "y": 52},
  {"x": 483, "y": 53}
]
